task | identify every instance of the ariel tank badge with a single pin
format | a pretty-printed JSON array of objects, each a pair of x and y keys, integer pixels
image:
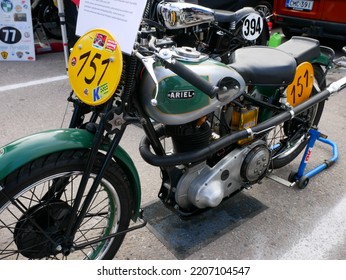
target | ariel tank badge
[{"x": 181, "y": 94}]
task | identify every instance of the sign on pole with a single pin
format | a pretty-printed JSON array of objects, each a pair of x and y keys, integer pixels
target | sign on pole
[
  {"x": 16, "y": 31},
  {"x": 120, "y": 17}
]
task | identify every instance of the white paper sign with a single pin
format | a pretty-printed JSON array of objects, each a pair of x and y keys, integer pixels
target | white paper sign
[
  {"x": 16, "y": 33},
  {"x": 120, "y": 17}
]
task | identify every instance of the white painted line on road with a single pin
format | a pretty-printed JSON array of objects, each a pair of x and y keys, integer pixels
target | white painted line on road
[
  {"x": 329, "y": 232},
  {"x": 33, "y": 83}
]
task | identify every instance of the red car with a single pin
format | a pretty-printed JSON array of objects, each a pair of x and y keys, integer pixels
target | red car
[
  {"x": 266, "y": 6},
  {"x": 315, "y": 18}
]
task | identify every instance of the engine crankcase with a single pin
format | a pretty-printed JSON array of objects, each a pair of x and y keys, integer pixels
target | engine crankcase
[{"x": 203, "y": 186}]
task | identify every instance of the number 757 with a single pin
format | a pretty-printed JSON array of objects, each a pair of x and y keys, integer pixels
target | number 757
[{"x": 92, "y": 64}]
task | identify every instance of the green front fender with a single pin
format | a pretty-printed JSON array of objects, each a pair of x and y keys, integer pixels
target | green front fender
[{"x": 27, "y": 149}]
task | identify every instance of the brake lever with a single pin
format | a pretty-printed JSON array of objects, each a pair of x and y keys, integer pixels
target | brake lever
[{"x": 148, "y": 62}]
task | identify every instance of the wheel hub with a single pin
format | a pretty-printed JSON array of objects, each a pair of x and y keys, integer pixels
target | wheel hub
[{"x": 51, "y": 220}]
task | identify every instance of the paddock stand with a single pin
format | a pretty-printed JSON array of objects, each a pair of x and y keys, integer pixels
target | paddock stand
[{"x": 300, "y": 178}]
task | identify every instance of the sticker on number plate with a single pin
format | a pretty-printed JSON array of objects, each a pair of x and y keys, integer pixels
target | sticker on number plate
[
  {"x": 252, "y": 26},
  {"x": 301, "y": 5},
  {"x": 95, "y": 67}
]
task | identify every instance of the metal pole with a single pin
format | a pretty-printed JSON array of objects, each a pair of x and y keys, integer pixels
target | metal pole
[{"x": 61, "y": 11}]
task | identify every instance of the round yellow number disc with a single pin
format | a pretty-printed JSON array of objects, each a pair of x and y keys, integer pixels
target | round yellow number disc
[
  {"x": 301, "y": 87},
  {"x": 95, "y": 66}
]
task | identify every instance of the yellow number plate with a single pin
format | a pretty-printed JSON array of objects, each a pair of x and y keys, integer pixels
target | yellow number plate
[
  {"x": 95, "y": 66},
  {"x": 301, "y": 87}
]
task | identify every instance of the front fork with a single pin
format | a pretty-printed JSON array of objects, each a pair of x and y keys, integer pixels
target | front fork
[{"x": 73, "y": 225}]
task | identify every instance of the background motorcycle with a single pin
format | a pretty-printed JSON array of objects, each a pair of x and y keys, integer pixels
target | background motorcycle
[
  {"x": 45, "y": 14},
  {"x": 42, "y": 176}
]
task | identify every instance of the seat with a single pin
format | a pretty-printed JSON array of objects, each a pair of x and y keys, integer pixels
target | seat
[
  {"x": 301, "y": 48},
  {"x": 261, "y": 65}
]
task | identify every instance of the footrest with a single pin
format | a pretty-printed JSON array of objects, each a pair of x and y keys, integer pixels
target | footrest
[{"x": 280, "y": 180}]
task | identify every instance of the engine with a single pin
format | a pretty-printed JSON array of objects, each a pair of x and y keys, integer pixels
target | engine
[
  {"x": 207, "y": 183},
  {"x": 204, "y": 186},
  {"x": 191, "y": 136}
]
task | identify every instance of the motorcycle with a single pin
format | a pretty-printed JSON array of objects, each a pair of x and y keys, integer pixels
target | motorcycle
[
  {"x": 216, "y": 122},
  {"x": 45, "y": 14}
]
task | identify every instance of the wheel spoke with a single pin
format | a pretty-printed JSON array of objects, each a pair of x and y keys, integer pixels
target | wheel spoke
[{"x": 21, "y": 237}]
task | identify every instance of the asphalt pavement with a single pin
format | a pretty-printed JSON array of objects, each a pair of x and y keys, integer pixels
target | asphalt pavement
[{"x": 288, "y": 223}]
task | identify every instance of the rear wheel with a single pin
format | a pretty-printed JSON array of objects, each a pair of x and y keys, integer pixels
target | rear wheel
[
  {"x": 43, "y": 192},
  {"x": 290, "y": 138}
]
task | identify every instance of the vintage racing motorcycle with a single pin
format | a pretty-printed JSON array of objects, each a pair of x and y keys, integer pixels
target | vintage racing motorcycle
[{"x": 216, "y": 121}]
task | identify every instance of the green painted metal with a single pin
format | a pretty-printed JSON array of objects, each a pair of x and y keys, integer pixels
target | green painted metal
[
  {"x": 323, "y": 59},
  {"x": 270, "y": 94},
  {"x": 184, "y": 101},
  {"x": 29, "y": 148},
  {"x": 182, "y": 105}
]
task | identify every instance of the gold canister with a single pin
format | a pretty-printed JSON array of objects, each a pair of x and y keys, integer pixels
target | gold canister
[{"x": 243, "y": 118}]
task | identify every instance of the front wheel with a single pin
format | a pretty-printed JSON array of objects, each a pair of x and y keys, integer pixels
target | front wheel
[{"x": 36, "y": 209}]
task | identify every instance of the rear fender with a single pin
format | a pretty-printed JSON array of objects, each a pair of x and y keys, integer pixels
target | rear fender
[
  {"x": 27, "y": 149},
  {"x": 244, "y": 12},
  {"x": 324, "y": 59}
]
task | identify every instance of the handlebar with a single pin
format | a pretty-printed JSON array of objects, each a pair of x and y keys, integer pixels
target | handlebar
[
  {"x": 178, "y": 68},
  {"x": 181, "y": 70},
  {"x": 337, "y": 85}
]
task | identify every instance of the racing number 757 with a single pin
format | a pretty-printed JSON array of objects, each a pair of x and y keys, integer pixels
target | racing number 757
[{"x": 92, "y": 65}]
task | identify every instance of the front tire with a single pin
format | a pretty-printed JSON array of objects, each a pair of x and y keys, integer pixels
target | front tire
[{"x": 42, "y": 193}]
